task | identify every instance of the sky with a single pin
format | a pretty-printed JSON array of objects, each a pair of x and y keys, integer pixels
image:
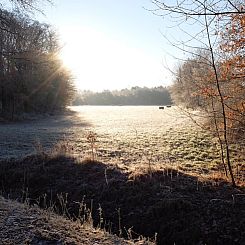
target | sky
[
  {"x": 110, "y": 44},
  {"x": 117, "y": 44}
]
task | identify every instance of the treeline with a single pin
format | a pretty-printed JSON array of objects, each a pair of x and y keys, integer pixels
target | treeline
[
  {"x": 32, "y": 77},
  {"x": 134, "y": 96}
]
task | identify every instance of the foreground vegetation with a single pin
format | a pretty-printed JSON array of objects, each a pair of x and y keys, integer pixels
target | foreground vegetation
[
  {"x": 22, "y": 224},
  {"x": 180, "y": 208}
]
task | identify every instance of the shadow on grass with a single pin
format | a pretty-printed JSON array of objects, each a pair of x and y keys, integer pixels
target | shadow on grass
[
  {"x": 18, "y": 139},
  {"x": 177, "y": 206}
]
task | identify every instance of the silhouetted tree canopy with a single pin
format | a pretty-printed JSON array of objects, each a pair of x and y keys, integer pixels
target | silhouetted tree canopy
[{"x": 32, "y": 77}]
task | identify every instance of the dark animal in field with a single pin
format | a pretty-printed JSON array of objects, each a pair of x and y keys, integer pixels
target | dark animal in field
[
  {"x": 161, "y": 107},
  {"x": 168, "y": 106}
]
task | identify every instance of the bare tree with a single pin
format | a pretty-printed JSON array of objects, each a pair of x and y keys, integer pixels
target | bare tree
[
  {"x": 209, "y": 16},
  {"x": 21, "y": 6},
  {"x": 28, "y": 5}
]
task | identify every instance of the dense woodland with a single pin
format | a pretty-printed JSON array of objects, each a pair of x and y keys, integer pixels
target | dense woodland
[
  {"x": 134, "y": 96},
  {"x": 32, "y": 77}
]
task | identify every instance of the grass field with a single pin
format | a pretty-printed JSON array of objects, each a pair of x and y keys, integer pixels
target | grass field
[
  {"x": 137, "y": 131},
  {"x": 131, "y": 136},
  {"x": 139, "y": 135}
]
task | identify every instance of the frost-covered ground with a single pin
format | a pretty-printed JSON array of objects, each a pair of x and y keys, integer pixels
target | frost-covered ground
[
  {"x": 125, "y": 134},
  {"x": 18, "y": 139},
  {"x": 137, "y": 133},
  {"x": 137, "y": 127}
]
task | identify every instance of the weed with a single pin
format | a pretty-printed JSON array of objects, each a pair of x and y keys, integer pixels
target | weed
[
  {"x": 62, "y": 148},
  {"x": 101, "y": 220},
  {"x": 106, "y": 178},
  {"x": 63, "y": 204},
  {"x": 38, "y": 147},
  {"x": 119, "y": 222},
  {"x": 91, "y": 138}
]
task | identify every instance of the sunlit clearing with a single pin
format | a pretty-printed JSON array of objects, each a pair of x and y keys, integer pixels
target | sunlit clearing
[{"x": 100, "y": 62}]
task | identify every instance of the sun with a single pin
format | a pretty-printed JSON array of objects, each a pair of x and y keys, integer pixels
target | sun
[
  {"x": 91, "y": 56},
  {"x": 99, "y": 61}
]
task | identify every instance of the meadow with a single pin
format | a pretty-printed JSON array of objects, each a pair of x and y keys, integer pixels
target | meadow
[{"x": 130, "y": 136}]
